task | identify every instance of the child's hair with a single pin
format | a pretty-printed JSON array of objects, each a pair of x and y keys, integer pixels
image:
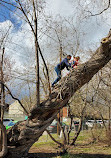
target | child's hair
[
  {"x": 69, "y": 56},
  {"x": 77, "y": 57}
]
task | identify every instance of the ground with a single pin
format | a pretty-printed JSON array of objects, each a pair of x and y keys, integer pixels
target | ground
[
  {"x": 43, "y": 152},
  {"x": 96, "y": 150},
  {"x": 45, "y": 148}
]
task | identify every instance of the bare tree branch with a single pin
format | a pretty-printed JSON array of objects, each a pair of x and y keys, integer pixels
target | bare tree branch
[
  {"x": 9, "y": 4},
  {"x": 101, "y": 11},
  {"x": 54, "y": 139},
  {"x": 9, "y": 92}
]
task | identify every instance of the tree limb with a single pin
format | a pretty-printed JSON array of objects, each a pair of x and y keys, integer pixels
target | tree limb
[
  {"x": 54, "y": 139},
  {"x": 9, "y": 92}
]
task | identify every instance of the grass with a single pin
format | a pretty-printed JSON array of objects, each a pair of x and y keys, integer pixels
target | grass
[
  {"x": 46, "y": 140},
  {"x": 82, "y": 149}
]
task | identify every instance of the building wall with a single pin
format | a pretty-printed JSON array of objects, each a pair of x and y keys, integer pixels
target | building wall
[
  {"x": 15, "y": 109},
  {"x": 65, "y": 112}
]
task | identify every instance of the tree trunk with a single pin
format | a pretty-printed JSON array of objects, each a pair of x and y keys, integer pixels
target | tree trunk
[
  {"x": 24, "y": 134},
  {"x": 78, "y": 132},
  {"x": 37, "y": 56},
  {"x": 3, "y": 152},
  {"x": 109, "y": 124}
]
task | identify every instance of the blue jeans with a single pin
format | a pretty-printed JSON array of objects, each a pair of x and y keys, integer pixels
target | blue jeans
[{"x": 58, "y": 71}]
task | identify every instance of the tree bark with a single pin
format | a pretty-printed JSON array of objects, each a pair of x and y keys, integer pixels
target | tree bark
[
  {"x": 37, "y": 57},
  {"x": 78, "y": 132},
  {"x": 3, "y": 152},
  {"x": 24, "y": 134}
]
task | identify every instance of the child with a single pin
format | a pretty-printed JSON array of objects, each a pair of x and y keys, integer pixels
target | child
[
  {"x": 64, "y": 63},
  {"x": 74, "y": 62}
]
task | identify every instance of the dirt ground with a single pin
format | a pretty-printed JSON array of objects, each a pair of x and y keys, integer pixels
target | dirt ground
[
  {"x": 90, "y": 151},
  {"x": 43, "y": 152}
]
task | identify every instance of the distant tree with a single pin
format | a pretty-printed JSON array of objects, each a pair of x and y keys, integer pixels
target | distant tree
[{"x": 5, "y": 69}]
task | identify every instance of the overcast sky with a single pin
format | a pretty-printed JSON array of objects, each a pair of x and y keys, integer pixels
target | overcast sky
[
  {"x": 59, "y": 7},
  {"x": 20, "y": 46},
  {"x": 94, "y": 29}
]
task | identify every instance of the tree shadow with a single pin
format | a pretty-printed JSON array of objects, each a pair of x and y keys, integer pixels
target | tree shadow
[
  {"x": 89, "y": 156},
  {"x": 42, "y": 155},
  {"x": 50, "y": 155}
]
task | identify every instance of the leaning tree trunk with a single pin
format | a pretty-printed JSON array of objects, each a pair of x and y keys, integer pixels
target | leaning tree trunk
[{"x": 24, "y": 134}]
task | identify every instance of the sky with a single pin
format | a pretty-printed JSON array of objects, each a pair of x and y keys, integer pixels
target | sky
[
  {"x": 18, "y": 29},
  {"x": 94, "y": 28},
  {"x": 59, "y": 7},
  {"x": 20, "y": 44}
]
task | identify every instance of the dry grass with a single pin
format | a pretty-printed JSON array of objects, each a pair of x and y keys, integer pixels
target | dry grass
[{"x": 45, "y": 147}]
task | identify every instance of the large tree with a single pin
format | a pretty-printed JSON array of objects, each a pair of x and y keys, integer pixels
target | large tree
[{"x": 24, "y": 134}]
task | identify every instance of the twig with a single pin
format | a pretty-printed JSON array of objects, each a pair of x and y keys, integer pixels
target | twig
[{"x": 101, "y": 11}]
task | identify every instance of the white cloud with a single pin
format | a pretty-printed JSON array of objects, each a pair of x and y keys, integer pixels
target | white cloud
[
  {"x": 21, "y": 46},
  {"x": 4, "y": 27},
  {"x": 59, "y": 7}
]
